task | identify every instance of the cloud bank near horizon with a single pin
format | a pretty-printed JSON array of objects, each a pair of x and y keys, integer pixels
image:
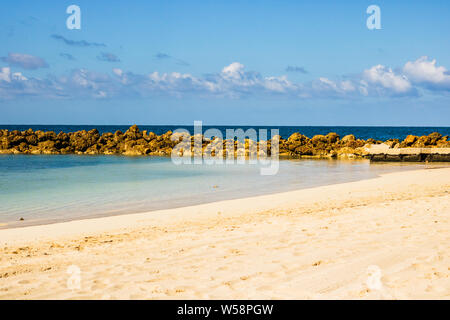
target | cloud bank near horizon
[{"x": 233, "y": 81}]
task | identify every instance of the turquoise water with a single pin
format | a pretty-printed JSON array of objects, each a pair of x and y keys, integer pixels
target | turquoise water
[{"x": 43, "y": 189}]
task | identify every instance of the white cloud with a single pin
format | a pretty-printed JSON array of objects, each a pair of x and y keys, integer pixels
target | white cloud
[
  {"x": 385, "y": 78},
  {"x": 347, "y": 86},
  {"x": 117, "y": 71},
  {"x": 5, "y": 74},
  {"x": 363, "y": 85},
  {"x": 232, "y": 81},
  {"x": 423, "y": 71},
  {"x": 18, "y": 76},
  {"x": 234, "y": 71},
  {"x": 324, "y": 87},
  {"x": 278, "y": 84}
]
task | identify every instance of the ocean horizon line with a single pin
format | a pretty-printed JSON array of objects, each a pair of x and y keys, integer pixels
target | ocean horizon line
[{"x": 225, "y": 125}]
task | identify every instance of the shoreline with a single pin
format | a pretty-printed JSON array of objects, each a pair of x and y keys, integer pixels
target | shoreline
[
  {"x": 220, "y": 193},
  {"x": 35, "y": 223},
  {"x": 261, "y": 202},
  {"x": 310, "y": 243}
]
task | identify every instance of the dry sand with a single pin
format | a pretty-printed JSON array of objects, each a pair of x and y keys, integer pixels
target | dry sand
[{"x": 385, "y": 238}]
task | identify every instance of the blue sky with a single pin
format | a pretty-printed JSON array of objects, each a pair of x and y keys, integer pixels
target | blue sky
[{"x": 225, "y": 62}]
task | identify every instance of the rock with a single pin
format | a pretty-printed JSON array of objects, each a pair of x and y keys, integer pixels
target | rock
[
  {"x": 409, "y": 140},
  {"x": 93, "y": 132},
  {"x": 5, "y": 143},
  {"x": 350, "y": 142},
  {"x": 40, "y": 135},
  {"x": 317, "y": 139},
  {"x": 118, "y": 136},
  {"x": 108, "y": 147},
  {"x": 67, "y": 150},
  {"x": 134, "y": 128},
  {"x": 46, "y": 144},
  {"x": 50, "y": 135},
  {"x": 134, "y": 142},
  {"x": 443, "y": 144},
  {"x": 79, "y": 144},
  {"x": 421, "y": 142},
  {"x": 332, "y": 137},
  {"x": 434, "y": 138},
  {"x": 47, "y": 147},
  {"x": 17, "y": 139},
  {"x": 28, "y": 132},
  {"x": 348, "y": 138},
  {"x": 105, "y": 138},
  {"x": 304, "y": 150},
  {"x": 23, "y": 147},
  {"x": 276, "y": 138},
  {"x": 31, "y": 140},
  {"x": 295, "y": 141},
  {"x": 133, "y": 133},
  {"x": 295, "y": 137},
  {"x": 82, "y": 140},
  {"x": 149, "y": 136},
  {"x": 92, "y": 150},
  {"x": 391, "y": 142}
]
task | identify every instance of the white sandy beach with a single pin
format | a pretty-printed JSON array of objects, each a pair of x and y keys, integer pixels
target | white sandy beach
[{"x": 383, "y": 238}]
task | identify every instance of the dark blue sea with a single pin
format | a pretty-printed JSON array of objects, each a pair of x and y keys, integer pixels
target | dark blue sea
[{"x": 378, "y": 133}]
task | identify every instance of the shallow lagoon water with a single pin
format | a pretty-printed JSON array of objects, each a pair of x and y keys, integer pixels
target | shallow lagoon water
[{"x": 43, "y": 189}]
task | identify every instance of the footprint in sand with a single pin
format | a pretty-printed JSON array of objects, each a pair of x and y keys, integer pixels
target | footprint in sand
[{"x": 24, "y": 282}]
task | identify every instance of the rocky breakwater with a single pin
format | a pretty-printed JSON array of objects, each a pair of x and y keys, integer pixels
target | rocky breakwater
[
  {"x": 433, "y": 147},
  {"x": 324, "y": 146},
  {"x": 134, "y": 142},
  {"x": 331, "y": 145},
  {"x": 131, "y": 142}
]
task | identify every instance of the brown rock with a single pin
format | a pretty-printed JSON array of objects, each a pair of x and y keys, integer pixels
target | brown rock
[
  {"x": 23, "y": 147},
  {"x": 434, "y": 138},
  {"x": 28, "y": 132},
  {"x": 17, "y": 139},
  {"x": 332, "y": 137},
  {"x": 304, "y": 150},
  {"x": 5, "y": 142},
  {"x": 295, "y": 137},
  {"x": 409, "y": 140},
  {"x": 46, "y": 144},
  {"x": 62, "y": 136},
  {"x": 148, "y": 136},
  {"x": 92, "y": 150},
  {"x": 133, "y": 133},
  {"x": 348, "y": 138},
  {"x": 32, "y": 140},
  {"x": 391, "y": 142},
  {"x": 317, "y": 139}
]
